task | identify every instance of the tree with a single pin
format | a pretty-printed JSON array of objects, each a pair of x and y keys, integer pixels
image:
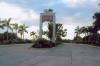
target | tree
[
  {"x": 15, "y": 26},
  {"x": 84, "y": 30},
  {"x": 33, "y": 34},
  {"x": 50, "y": 32},
  {"x": 96, "y": 24},
  {"x": 90, "y": 30},
  {"x": 1, "y": 25},
  {"x": 60, "y": 31},
  {"x": 93, "y": 36},
  {"x": 77, "y": 31},
  {"x": 7, "y": 24},
  {"x": 45, "y": 33},
  {"x": 22, "y": 30}
]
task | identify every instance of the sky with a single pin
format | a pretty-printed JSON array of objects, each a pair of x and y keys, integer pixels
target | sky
[{"x": 70, "y": 13}]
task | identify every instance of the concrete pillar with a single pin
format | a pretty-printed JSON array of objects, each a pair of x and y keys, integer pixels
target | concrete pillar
[
  {"x": 54, "y": 31},
  {"x": 40, "y": 29}
]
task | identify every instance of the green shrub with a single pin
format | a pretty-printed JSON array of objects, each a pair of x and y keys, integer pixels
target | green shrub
[{"x": 43, "y": 43}]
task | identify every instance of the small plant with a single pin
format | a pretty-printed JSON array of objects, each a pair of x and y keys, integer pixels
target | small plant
[{"x": 43, "y": 43}]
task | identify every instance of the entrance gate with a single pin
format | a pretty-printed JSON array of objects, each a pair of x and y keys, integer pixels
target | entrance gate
[{"x": 47, "y": 15}]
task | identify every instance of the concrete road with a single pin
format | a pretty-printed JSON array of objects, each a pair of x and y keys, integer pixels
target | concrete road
[{"x": 66, "y": 54}]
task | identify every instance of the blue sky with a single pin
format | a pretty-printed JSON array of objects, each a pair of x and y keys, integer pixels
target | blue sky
[{"x": 71, "y": 13}]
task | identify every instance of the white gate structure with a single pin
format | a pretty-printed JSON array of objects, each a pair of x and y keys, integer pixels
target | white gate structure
[{"x": 47, "y": 16}]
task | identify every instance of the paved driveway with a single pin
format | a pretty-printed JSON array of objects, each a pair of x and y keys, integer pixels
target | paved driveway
[{"x": 66, "y": 54}]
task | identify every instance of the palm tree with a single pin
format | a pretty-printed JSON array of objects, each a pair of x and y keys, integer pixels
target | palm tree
[
  {"x": 22, "y": 30},
  {"x": 8, "y": 25},
  {"x": 33, "y": 34},
  {"x": 77, "y": 31},
  {"x": 15, "y": 26},
  {"x": 1, "y": 25},
  {"x": 90, "y": 30},
  {"x": 84, "y": 30},
  {"x": 60, "y": 31}
]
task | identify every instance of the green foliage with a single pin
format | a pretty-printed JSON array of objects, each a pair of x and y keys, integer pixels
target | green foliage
[
  {"x": 92, "y": 39},
  {"x": 45, "y": 33},
  {"x": 7, "y": 37},
  {"x": 96, "y": 24},
  {"x": 11, "y": 37},
  {"x": 91, "y": 32},
  {"x": 77, "y": 38},
  {"x": 34, "y": 36},
  {"x": 22, "y": 30},
  {"x": 50, "y": 28},
  {"x": 43, "y": 43},
  {"x": 77, "y": 31},
  {"x": 60, "y": 31},
  {"x": 6, "y": 23},
  {"x": 51, "y": 10},
  {"x": 15, "y": 27}
]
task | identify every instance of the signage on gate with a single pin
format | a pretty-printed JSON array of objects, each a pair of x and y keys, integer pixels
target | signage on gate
[{"x": 47, "y": 16}]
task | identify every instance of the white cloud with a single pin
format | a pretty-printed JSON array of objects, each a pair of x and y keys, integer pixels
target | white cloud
[
  {"x": 74, "y": 3},
  {"x": 71, "y": 22},
  {"x": 75, "y": 20},
  {"x": 70, "y": 31},
  {"x": 19, "y": 15},
  {"x": 31, "y": 18}
]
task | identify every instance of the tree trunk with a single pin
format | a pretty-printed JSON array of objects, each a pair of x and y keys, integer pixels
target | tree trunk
[
  {"x": 23, "y": 36},
  {"x": 16, "y": 34},
  {"x": 7, "y": 34}
]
